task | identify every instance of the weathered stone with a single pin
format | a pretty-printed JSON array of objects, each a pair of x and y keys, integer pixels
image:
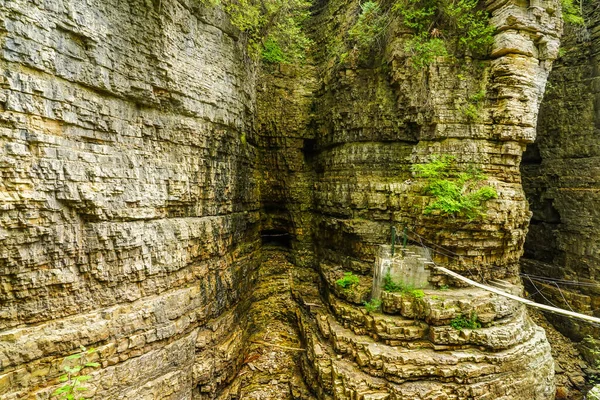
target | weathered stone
[
  {"x": 561, "y": 178},
  {"x": 147, "y": 163}
]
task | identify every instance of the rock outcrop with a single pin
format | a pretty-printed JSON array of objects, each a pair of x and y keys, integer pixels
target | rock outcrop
[
  {"x": 561, "y": 178},
  {"x": 148, "y": 163},
  {"x": 130, "y": 205},
  {"x": 372, "y": 120}
]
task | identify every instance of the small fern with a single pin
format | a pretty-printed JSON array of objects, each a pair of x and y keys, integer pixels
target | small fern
[
  {"x": 461, "y": 322},
  {"x": 372, "y": 306},
  {"x": 455, "y": 192},
  {"x": 348, "y": 281}
]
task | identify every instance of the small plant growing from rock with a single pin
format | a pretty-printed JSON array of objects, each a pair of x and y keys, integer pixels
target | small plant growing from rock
[
  {"x": 456, "y": 192},
  {"x": 73, "y": 377},
  {"x": 389, "y": 285},
  {"x": 473, "y": 107},
  {"x": 348, "y": 281},
  {"x": 462, "y": 322},
  {"x": 372, "y": 306}
]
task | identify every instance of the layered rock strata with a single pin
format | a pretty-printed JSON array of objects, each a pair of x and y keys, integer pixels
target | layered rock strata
[
  {"x": 146, "y": 165},
  {"x": 561, "y": 179},
  {"x": 374, "y": 119},
  {"x": 561, "y": 182},
  {"x": 130, "y": 207}
]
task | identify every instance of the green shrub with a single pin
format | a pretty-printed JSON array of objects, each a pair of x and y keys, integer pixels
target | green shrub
[
  {"x": 274, "y": 29},
  {"x": 423, "y": 50},
  {"x": 461, "y": 322},
  {"x": 389, "y": 285},
  {"x": 572, "y": 13},
  {"x": 272, "y": 52},
  {"x": 348, "y": 281},
  {"x": 455, "y": 192},
  {"x": 472, "y": 25},
  {"x": 435, "y": 23},
  {"x": 372, "y": 306},
  {"x": 370, "y": 26},
  {"x": 73, "y": 377}
]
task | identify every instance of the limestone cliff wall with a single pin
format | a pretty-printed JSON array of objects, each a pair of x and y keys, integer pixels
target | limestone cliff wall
[
  {"x": 561, "y": 180},
  {"x": 378, "y": 121},
  {"x": 370, "y": 121},
  {"x": 129, "y": 203},
  {"x": 146, "y": 163}
]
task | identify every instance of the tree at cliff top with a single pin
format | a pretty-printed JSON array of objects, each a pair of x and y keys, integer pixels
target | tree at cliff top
[{"x": 274, "y": 28}]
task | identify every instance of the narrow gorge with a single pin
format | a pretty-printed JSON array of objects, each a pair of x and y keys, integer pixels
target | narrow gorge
[{"x": 190, "y": 212}]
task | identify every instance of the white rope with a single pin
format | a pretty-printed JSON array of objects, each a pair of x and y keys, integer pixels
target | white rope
[{"x": 519, "y": 299}]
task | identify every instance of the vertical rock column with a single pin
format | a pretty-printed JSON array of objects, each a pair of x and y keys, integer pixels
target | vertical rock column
[
  {"x": 513, "y": 81},
  {"x": 375, "y": 120}
]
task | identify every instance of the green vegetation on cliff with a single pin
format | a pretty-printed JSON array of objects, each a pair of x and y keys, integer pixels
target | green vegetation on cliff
[
  {"x": 572, "y": 11},
  {"x": 438, "y": 26},
  {"x": 73, "y": 377},
  {"x": 274, "y": 28},
  {"x": 370, "y": 26},
  {"x": 348, "y": 281},
  {"x": 457, "y": 192},
  {"x": 372, "y": 306},
  {"x": 462, "y": 322}
]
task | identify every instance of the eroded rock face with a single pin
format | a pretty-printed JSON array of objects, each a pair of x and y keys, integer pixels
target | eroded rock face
[
  {"x": 146, "y": 164},
  {"x": 373, "y": 122},
  {"x": 130, "y": 205},
  {"x": 561, "y": 180}
]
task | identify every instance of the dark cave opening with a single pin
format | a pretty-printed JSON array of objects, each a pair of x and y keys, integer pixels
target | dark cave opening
[{"x": 276, "y": 237}]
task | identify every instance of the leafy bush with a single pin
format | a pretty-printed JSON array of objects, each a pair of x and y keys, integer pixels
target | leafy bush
[
  {"x": 389, "y": 285},
  {"x": 372, "y": 306},
  {"x": 436, "y": 22},
  {"x": 272, "y": 52},
  {"x": 73, "y": 366},
  {"x": 456, "y": 192},
  {"x": 424, "y": 50},
  {"x": 571, "y": 13},
  {"x": 370, "y": 26},
  {"x": 274, "y": 28},
  {"x": 348, "y": 281},
  {"x": 461, "y": 322}
]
